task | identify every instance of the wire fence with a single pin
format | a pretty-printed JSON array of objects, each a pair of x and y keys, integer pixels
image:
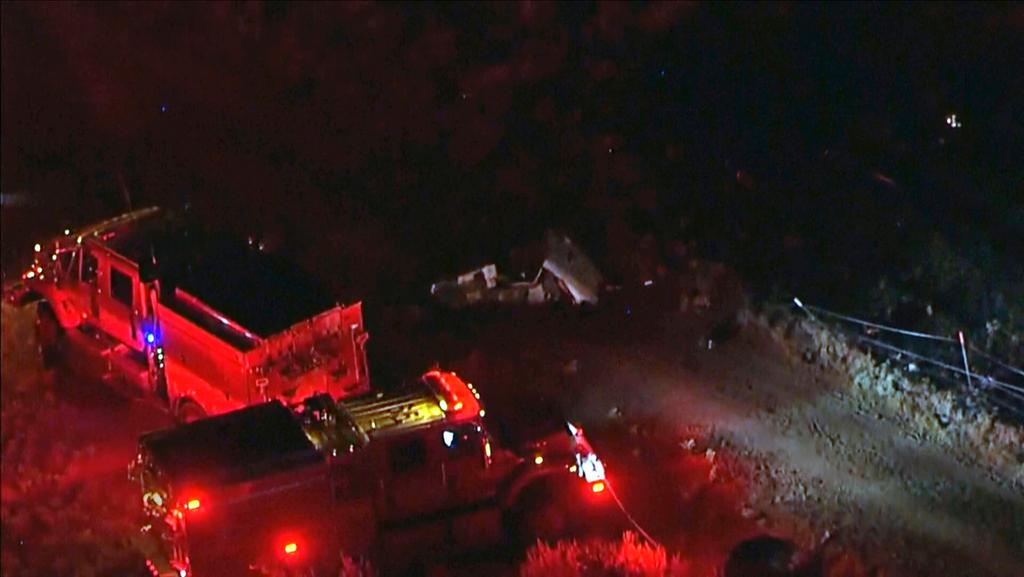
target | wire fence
[{"x": 947, "y": 360}]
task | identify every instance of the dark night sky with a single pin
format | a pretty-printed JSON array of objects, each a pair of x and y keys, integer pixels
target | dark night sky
[{"x": 377, "y": 129}]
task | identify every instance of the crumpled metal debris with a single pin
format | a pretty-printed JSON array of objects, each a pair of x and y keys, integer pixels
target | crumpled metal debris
[{"x": 566, "y": 275}]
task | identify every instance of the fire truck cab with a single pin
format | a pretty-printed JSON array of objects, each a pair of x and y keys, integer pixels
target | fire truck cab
[
  {"x": 399, "y": 477},
  {"x": 205, "y": 323}
]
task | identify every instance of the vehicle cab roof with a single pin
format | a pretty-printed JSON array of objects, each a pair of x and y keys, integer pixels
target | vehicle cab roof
[{"x": 232, "y": 447}]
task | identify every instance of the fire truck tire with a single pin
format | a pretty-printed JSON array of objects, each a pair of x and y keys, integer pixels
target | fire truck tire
[
  {"x": 188, "y": 411},
  {"x": 49, "y": 335}
]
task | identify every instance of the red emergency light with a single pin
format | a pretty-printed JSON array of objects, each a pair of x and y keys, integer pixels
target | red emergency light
[
  {"x": 191, "y": 502},
  {"x": 597, "y": 487},
  {"x": 290, "y": 547},
  {"x": 457, "y": 398}
]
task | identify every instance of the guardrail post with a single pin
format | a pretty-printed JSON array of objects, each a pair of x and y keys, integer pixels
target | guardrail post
[
  {"x": 972, "y": 393},
  {"x": 967, "y": 366}
]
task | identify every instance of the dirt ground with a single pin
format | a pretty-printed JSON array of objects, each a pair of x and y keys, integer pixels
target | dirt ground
[
  {"x": 67, "y": 506},
  {"x": 789, "y": 447},
  {"x": 711, "y": 436}
]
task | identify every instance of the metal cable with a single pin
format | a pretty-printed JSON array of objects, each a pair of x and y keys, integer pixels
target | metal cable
[
  {"x": 632, "y": 521},
  {"x": 811, "y": 308},
  {"x": 828, "y": 313},
  {"x": 913, "y": 355},
  {"x": 1005, "y": 404},
  {"x": 1014, "y": 393},
  {"x": 1008, "y": 406},
  {"x": 988, "y": 380},
  {"x": 937, "y": 373},
  {"x": 992, "y": 359},
  {"x": 1010, "y": 392}
]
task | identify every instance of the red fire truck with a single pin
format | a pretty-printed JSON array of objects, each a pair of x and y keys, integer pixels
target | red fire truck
[
  {"x": 400, "y": 477},
  {"x": 206, "y": 324}
]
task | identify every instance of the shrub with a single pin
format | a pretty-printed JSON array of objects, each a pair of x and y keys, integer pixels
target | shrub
[
  {"x": 356, "y": 568},
  {"x": 629, "y": 557}
]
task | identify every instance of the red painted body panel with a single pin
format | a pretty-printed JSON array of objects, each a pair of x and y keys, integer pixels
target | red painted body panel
[{"x": 210, "y": 359}]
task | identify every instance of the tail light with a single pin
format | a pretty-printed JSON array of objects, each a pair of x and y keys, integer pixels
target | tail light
[
  {"x": 192, "y": 502},
  {"x": 290, "y": 547},
  {"x": 597, "y": 487}
]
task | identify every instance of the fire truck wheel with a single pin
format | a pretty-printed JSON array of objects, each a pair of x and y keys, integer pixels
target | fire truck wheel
[
  {"x": 189, "y": 411},
  {"x": 49, "y": 335}
]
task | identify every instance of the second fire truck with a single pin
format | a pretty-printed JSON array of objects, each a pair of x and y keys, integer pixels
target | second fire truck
[{"x": 207, "y": 324}]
